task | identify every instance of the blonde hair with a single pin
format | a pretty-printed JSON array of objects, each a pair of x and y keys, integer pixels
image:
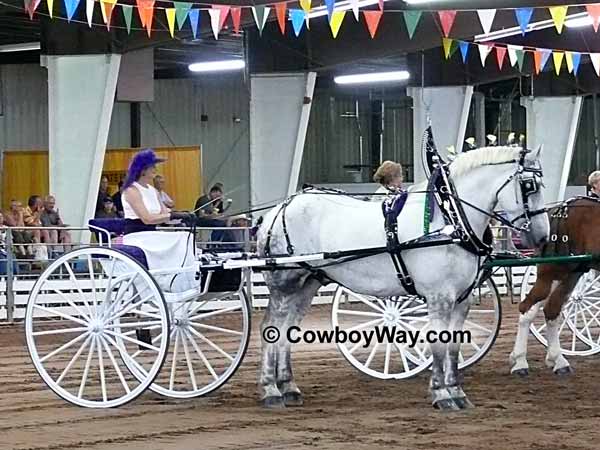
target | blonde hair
[
  {"x": 594, "y": 177},
  {"x": 387, "y": 172}
]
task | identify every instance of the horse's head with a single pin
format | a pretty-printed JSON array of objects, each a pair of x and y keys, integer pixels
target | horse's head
[{"x": 522, "y": 199}]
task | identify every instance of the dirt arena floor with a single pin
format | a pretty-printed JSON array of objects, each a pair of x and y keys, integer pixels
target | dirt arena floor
[{"x": 343, "y": 409}]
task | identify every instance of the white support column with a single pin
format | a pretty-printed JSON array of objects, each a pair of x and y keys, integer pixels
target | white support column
[
  {"x": 553, "y": 123},
  {"x": 278, "y": 123},
  {"x": 81, "y": 94},
  {"x": 448, "y": 108}
]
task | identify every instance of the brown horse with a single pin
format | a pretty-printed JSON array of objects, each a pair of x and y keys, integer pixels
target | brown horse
[{"x": 574, "y": 229}]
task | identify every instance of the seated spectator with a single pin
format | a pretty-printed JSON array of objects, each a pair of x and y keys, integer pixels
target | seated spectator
[
  {"x": 108, "y": 210},
  {"x": 31, "y": 217},
  {"x": 21, "y": 238},
  {"x": 51, "y": 218},
  {"x": 159, "y": 184},
  {"x": 4, "y": 251},
  {"x": 102, "y": 192},
  {"x": 209, "y": 208},
  {"x": 117, "y": 201}
]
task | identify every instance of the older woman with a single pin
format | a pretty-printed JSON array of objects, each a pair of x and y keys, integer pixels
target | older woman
[
  {"x": 594, "y": 182},
  {"x": 390, "y": 176}
]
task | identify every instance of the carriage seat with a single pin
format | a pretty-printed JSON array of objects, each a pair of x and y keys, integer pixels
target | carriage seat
[{"x": 117, "y": 227}]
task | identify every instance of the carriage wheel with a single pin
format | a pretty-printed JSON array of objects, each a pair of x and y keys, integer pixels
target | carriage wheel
[
  {"x": 87, "y": 320},
  {"x": 386, "y": 361},
  {"x": 208, "y": 341},
  {"x": 579, "y": 332}
]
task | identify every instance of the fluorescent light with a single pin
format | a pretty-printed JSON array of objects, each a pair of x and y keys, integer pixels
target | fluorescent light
[
  {"x": 579, "y": 22},
  {"x": 217, "y": 66},
  {"x": 24, "y": 47},
  {"x": 344, "y": 5},
  {"x": 379, "y": 77}
]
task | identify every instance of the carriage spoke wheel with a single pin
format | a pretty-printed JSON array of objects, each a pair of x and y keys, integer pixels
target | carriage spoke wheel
[
  {"x": 579, "y": 330},
  {"x": 87, "y": 322},
  {"x": 208, "y": 341},
  {"x": 384, "y": 360}
]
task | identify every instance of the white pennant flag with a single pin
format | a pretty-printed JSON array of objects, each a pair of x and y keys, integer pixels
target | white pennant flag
[
  {"x": 484, "y": 51},
  {"x": 354, "y": 4},
  {"x": 215, "y": 21},
  {"x": 486, "y": 17},
  {"x": 89, "y": 11},
  {"x": 595, "y": 57},
  {"x": 512, "y": 54}
]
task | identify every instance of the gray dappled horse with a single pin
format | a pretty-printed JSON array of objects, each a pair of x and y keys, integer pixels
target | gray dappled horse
[{"x": 487, "y": 178}]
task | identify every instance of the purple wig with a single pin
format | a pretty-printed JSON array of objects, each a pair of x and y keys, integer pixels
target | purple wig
[{"x": 140, "y": 162}]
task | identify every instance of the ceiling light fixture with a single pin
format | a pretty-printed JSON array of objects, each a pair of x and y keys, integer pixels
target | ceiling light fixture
[
  {"x": 579, "y": 22},
  {"x": 344, "y": 5},
  {"x": 378, "y": 77},
  {"x": 24, "y": 47},
  {"x": 217, "y": 66}
]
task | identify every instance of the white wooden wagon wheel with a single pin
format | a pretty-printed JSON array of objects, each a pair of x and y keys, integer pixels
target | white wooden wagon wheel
[
  {"x": 579, "y": 332},
  {"x": 88, "y": 321},
  {"x": 208, "y": 340},
  {"x": 386, "y": 361}
]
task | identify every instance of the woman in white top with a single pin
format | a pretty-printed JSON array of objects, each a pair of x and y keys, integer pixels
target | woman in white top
[{"x": 390, "y": 176}]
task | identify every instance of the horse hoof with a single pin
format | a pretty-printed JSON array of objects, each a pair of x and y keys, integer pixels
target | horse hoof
[
  {"x": 293, "y": 399},
  {"x": 273, "y": 402},
  {"x": 521, "y": 373},
  {"x": 446, "y": 405},
  {"x": 463, "y": 403},
  {"x": 564, "y": 371}
]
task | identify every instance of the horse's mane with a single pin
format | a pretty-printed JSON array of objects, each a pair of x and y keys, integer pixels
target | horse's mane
[{"x": 468, "y": 161}]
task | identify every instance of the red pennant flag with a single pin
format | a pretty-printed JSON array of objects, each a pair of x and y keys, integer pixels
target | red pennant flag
[
  {"x": 236, "y": 15},
  {"x": 500, "y": 54},
  {"x": 537, "y": 59},
  {"x": 372, "y": 18},
  {"x": 31, "y": 7},
  {"x": 447, "y": 20},
  {"x": 280, "y": 9},
  {"x": 594, "y": 12},
  {"x": 224, "y": 13}
]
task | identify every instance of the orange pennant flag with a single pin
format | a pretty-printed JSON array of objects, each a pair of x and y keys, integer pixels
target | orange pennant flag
[
  {"x": 107, "y": 6},
  {"x": 236, "y": 16},
  {"x": 537, "y": 59},
  {"x": 280, "y": 9},
  {"x": 372, "y": 18}
]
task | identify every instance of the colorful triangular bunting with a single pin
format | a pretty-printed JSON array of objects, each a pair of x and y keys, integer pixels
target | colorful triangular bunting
[
  {"x": 372, "y": 18},
  {"x": 50, "y": 4},
  {"x": 305, "y": 5},
  {"x": 354, "y": 4},
  {"x": 89, "y": 11},
  {"x": 484, "y": 51},
  {"x": 170, "y": 13},
  {"x": 411, "y": 19},
  {"x": 236, "y": 18},
  {"x": 280, "y": 9},
  {"x": 523, "y": 18},
  {"x": 447, "y": 20},
  {"x": 595, "y": 57},
  {"x": 500, "y": 55},
  {"x": 520, "y": 59},
  {"x": 559, "y": 14},
  {"x": 194, "y": 16},
  {"x": 486, "y": 18},
  {"x": 329, "y": 4},
  {"x": 260, "y": 13},
  {"x": 215, "y": 21},
  {"x": 223, "y": 16},
  {"x": 127, "y": 15},
  {"x": 71, "y": 7},
  {"x": 557, "y": 58},
  {"x": 297, "y": 18},
  {"x": 446, "y": 44},
  {"x": 182, "y": 10},
  {"x": 464, "y": 50},
  {"x": 594, "y": 13},
  {"x": 336, "y": 22}
]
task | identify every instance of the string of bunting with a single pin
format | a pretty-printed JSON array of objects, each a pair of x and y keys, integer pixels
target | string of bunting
[
  {"x": 516, "y": 55},
  {"x": 180, "y": 12}
]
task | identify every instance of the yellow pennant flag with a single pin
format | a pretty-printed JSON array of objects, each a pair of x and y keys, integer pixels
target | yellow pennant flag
[
  {"x": 559, "y": 14},
  {"x": 569, "y": 58},
  {"x": 170, "y": 12},
  {"x": 447, "y": 42},
  {"x": 337, "y": 17},
  {"x": 305, "y": 5},
  {"x": 557, "y": 57},
  {"x": 50, "y": 6}
]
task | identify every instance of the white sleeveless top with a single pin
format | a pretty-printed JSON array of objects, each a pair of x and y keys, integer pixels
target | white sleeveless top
[{"x": 149, "y": 197}]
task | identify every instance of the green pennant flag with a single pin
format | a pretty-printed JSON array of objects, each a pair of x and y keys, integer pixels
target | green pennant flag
[
  {"x": 261, "y": 13},
  {"x": 181, "y": 12},
  {"x": 453, "y": 47},
  {"x": 127, "y": 12},
  {"x": 412, "y": 18},
  {"x": 520, "y": 59}
]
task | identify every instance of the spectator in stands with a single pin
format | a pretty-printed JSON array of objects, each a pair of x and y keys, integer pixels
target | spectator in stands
[
  {"x": 594, "y": 182},
  {"x": 102, "y": 192},
  {"x": 108, "y": 211},
  {"x": 4, "y": 251},
  {"x": 21, "y": 238},
  {"x": 159, "y": 184},
  {"x": 50, "y": 217},
  {"x": 31, "y": 217},
  {"x": 117, "y": 200},
  {"x": 209, "y": 208}
]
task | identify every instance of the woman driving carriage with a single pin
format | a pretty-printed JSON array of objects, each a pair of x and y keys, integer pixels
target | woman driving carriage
[{"x": 390, "y": 176}]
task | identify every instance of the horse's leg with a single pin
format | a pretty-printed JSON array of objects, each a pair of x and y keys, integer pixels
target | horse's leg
[
  {"x": 298, "y": 307},
  {"x": 453, "y": 379},
  {"x": 271, "y": 396},
  {"x": 440, "y": 310},
  {"x": 554, "y": 356},
  {"x": 529, "y": 309}
]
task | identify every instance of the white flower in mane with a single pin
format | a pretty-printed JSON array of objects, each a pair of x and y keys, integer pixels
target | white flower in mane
[{"x": 484, "y": 156}]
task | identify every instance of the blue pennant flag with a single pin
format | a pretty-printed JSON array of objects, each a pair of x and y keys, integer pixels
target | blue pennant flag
[
  {"x": 576, "y": 62},
  {"x": 194, "y": 16},
  {"x": 71, "y": 7},
  {"x": 330, "y": 5},
  {"x": 523, "y": 17},
  {"x": 545, "y": 57},
  {"x": 297, "y": 17},
  {"x": 464, "y": 50}
]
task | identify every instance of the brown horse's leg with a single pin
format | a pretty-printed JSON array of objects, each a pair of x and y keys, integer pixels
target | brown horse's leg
[
  {"x": 559, "y": 296},
  {"x": 541, "y": 289}
]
